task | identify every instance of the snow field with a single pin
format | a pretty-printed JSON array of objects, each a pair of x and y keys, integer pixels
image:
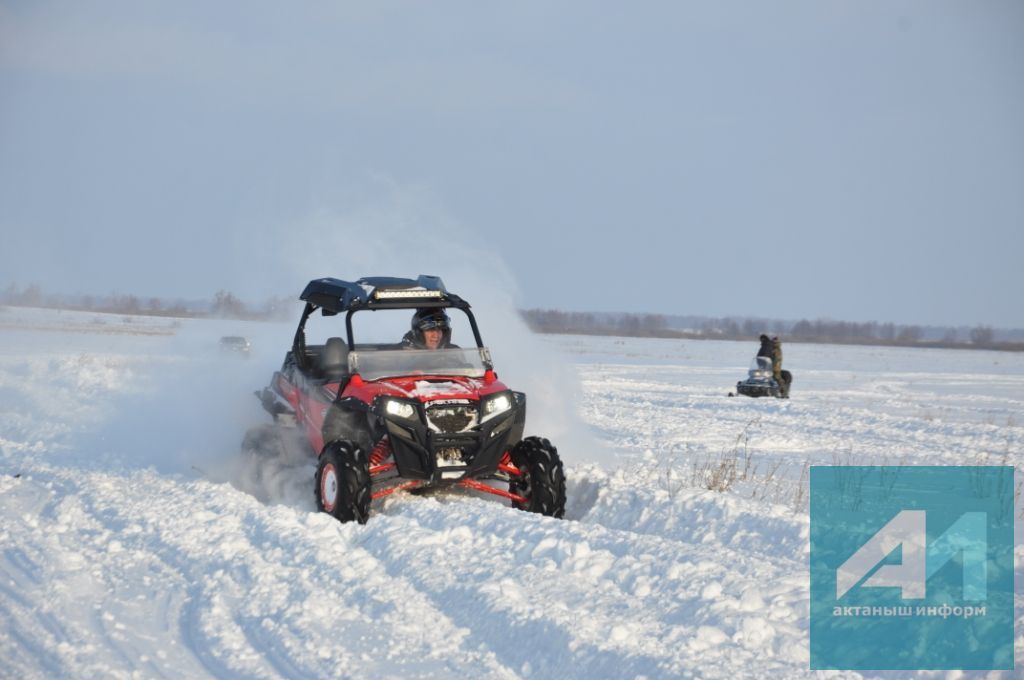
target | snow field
[{"x": 137, "y": 542}]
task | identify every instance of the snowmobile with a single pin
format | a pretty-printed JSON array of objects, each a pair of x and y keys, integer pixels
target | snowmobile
[
  {"x": 761, "y": 380},
  {"x": 383, "y": 417}
]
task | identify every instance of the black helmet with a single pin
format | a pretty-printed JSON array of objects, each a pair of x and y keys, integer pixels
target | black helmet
[
  {"x": 427, "y": 319},
  {"x": 764, "y": 338}
]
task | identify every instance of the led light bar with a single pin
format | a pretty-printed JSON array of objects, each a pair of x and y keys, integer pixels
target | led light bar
[{"x": 406, "y": 293}]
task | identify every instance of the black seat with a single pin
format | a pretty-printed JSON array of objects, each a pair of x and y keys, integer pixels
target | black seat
[{"x": 334, "y": 360}]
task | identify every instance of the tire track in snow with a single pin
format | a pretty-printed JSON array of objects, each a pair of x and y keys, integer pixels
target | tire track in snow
[
  {"x": 428, "y": 546},
  {"x": 81, "y": 583},
  {"x": 31, "y": 636},
  {"x": 584, "y": 598},
  {"x": 240, "y": 599},
  {"x": 633, "y": 504}
]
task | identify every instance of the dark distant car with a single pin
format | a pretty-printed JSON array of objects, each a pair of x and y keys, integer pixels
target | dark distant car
[{"x": 236, "y": 344}]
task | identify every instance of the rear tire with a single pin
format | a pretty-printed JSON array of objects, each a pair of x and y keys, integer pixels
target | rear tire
[
  {"x": 343, "y": 482},
  {"x": 542, "y": 482}
]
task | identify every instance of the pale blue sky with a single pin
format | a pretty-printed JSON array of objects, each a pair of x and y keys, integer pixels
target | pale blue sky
[{"x": 855, "y": 160}]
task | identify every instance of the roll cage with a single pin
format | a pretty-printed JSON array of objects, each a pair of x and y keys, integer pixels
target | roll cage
[{"x": 334, "y": 296}]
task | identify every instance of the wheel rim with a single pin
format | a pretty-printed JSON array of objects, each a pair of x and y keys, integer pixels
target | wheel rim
[{"x": 329, "y": 487}]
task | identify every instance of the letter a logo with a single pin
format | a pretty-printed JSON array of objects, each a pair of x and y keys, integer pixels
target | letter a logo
[{"x": 906, "y": 530}]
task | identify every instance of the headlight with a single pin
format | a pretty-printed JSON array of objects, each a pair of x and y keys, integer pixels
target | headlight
[
  {"x": 496, "y": 406},
  {"x": 399, "y": 409}
]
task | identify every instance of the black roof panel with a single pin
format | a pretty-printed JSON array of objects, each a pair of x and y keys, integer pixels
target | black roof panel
[{"x": 335, "y": 295}]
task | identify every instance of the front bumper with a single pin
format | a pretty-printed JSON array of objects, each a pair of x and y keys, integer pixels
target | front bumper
[
  {"x": 422, "y": 452},
  {"x": 750, "y": 388}
]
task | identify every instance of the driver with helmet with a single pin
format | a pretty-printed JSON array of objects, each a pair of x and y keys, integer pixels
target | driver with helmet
[{"x": 431, "y": 329}]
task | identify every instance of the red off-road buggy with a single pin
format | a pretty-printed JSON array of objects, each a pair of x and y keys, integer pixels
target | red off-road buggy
[{"x": 383, "y": 417}]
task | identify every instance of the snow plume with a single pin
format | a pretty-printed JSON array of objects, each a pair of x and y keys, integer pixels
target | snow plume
[
  {"x": 186, "y": 410},
  {"x": 189, "y": 408},
  {"x": 405, "y": 231},
  {"x": 274, "y": 465}
]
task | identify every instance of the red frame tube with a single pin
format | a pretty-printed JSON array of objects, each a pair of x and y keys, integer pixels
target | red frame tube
[
  {"x": 398, "y": 487},
  {"x": 480, "y": 486}
]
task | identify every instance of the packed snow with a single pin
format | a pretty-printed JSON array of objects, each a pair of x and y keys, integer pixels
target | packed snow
[{"x": 137, "y": 541}]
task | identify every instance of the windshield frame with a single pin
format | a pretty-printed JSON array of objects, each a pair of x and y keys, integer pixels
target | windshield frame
[{"x": 381, "y": 364}]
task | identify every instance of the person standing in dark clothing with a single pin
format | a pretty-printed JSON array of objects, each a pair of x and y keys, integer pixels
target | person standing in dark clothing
[
  {"x": 777, "y": 366},
  {"x": 766, "y": 347}
]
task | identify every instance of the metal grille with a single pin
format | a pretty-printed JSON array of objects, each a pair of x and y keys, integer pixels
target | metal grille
[{"x": 452, "y": 418}]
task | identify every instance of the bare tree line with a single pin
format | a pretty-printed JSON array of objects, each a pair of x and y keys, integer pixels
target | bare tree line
[
  {"x": 729, "y": 328},
  {"x": 225, "y": 304},
  {"x": 590, "y": 323}
]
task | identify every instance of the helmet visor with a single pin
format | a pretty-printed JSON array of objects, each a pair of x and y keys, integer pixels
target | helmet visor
[{"x": 435, "y": 322}]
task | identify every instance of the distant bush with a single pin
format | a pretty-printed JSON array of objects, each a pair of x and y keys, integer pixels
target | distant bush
[
  {"x": 982, "y": 336},
  {"x": 728, "y": 328}
]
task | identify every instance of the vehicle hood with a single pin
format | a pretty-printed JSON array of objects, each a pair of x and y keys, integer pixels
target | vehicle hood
[{"x": 429, "y": 388}]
